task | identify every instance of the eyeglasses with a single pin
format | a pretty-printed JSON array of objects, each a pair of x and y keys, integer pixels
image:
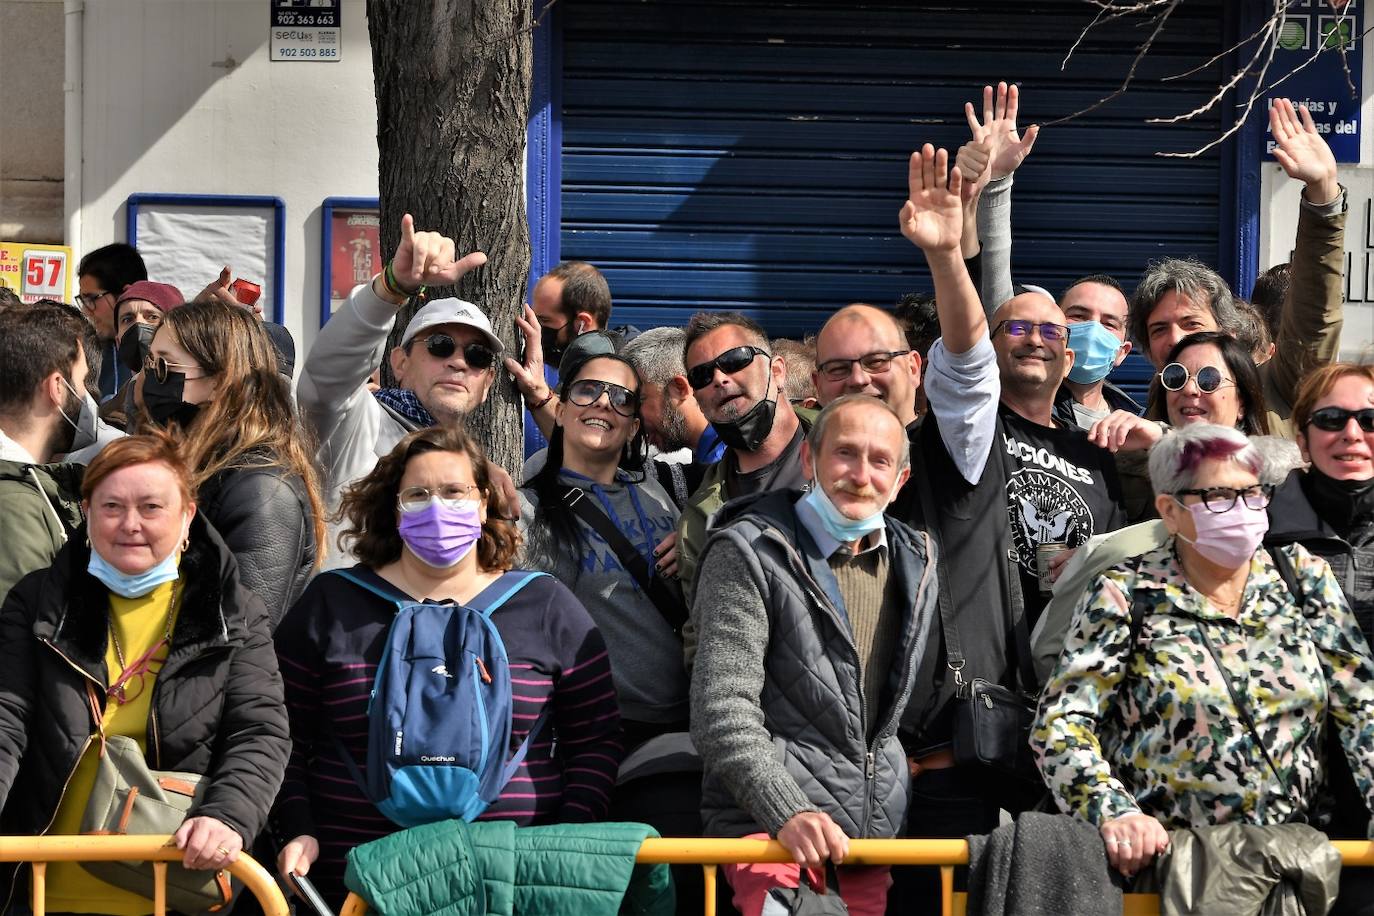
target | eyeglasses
[
  {"x": 1209, "y": 378},
  {"x": 837, "y": 370},
  {"x": 161, "y": 368},
  {"x": 1222, "y": 499},
  {"x": 413, "y": 499},
  {"x": 1335, "y": 419},
  {"x": 587, "y": 391},
  {"x": 88, "y": 300},
  {"x": 477, "y": 356},
  {"x": 729, "y": 362},
  {"x": 1017, "y": 327}
]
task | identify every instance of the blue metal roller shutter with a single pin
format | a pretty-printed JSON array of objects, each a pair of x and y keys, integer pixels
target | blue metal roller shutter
[{"x": 752, "y": 155}]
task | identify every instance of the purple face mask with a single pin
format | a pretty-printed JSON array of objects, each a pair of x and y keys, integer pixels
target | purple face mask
[
  {"x": 441, "y": 534},
  {"x": 1228, "y": 538}
]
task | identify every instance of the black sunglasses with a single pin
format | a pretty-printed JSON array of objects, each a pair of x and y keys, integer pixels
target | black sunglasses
[
  {"x": 587, "y": 391},
  {"x": 1019, "y": 327},
  {"x": 1335, "y": 419},
  {"x": 477, "y": 356},
  {"x": 1209, "y": 378},
  {"x": 729, "y": 362}
]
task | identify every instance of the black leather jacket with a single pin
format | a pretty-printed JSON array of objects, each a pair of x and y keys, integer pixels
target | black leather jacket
[{"x": 263, "y": 515}]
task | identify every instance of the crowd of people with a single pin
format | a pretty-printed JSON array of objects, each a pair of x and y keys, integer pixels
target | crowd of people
[{"x": 922, "y": 571}]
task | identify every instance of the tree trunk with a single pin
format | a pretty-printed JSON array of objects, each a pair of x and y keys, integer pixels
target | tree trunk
[{"x": 453, "y": 95}]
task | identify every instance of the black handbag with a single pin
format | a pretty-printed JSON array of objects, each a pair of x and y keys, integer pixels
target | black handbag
[
  {"x": 992, "y": 723},
  {"x": 804, "y": 900}
]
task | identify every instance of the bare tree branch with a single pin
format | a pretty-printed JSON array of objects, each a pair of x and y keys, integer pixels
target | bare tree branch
[
  {"x": 1265, "y": 39},
  {"x": 1160, "y": 19}
]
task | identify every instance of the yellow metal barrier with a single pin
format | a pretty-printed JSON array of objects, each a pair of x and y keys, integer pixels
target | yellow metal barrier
[
  {"x": 946, "y": 854},
  {"x": 157, "y": 850}
]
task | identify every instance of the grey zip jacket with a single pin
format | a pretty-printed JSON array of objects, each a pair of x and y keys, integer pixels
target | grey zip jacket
[{"x": 777, "y": 697}]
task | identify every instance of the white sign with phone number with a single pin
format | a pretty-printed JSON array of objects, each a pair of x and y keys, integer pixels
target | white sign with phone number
[{"x": 306, "y": 30}]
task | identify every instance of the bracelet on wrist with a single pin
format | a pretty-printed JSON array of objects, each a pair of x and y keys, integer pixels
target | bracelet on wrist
[
  {"x": 547, "y": 398},
  {"x": 393, "y": 285}
]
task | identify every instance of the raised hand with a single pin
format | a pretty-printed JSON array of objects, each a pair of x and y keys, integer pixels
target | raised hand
[
  {"x": 998, "y": 127},
  {"x": 932, "y": 217},
  {"x": 529, "y": 373},
  {"x": 1302, "y": 152},
  {"x": 429, "y": 258}
]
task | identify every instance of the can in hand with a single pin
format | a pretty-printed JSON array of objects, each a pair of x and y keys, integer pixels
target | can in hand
[{"x": 1043, "y": 554}]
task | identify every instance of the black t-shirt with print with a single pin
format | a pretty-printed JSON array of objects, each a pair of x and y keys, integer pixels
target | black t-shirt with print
[{"x": 1060, "y": 488}]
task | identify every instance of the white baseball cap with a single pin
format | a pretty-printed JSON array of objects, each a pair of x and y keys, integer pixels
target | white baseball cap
[{"x": 451, "y": 311}]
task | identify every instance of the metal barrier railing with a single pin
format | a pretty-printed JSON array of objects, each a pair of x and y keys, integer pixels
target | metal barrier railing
[
  {"x": 156, "y": 850},
  {"x": 946, "y": 854}
]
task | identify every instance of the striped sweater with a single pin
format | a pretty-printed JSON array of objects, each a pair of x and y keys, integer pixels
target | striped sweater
[{"x": 329, "y": 646}]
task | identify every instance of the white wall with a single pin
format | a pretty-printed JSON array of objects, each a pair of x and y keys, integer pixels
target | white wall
[{"x": 178, "y": 96}]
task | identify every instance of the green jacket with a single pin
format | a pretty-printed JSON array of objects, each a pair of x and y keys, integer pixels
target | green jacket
[
  {"x": 493, "y": 868},
  {"x": 42, "y": 507}
]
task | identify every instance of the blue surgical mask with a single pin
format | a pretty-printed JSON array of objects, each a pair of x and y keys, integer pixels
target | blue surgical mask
[
  {"x": 139, "y": 584},
  {"x": 1094, "y": 351},
  {"x": 838, "y": 525}
]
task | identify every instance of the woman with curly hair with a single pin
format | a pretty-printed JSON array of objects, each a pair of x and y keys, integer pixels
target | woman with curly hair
[{"x": 429, "y": 526}]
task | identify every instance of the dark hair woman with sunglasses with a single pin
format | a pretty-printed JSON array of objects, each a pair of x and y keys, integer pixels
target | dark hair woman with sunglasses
[
  {"x": 593, "y": 485},
  {"x": 212, "y": 380},
  {"x": 1329, "y": 509},
  {"x": 1207, "y": 377}
]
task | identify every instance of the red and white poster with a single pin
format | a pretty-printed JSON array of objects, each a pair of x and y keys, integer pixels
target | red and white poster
[{"x": 355, "y": 251}]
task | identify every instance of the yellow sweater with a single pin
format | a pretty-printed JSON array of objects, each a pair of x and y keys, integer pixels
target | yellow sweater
[{"x": 138, "y": 624}]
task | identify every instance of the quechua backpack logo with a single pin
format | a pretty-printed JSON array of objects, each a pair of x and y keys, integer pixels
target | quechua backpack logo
[{"x": 439, "y": 720}]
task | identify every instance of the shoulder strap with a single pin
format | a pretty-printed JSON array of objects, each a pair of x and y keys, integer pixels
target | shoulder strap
[
  {"x": 1242, "y": 708},
  {"x": 499, "y": 592},
  {"x": 508, "y": 772},
  {"x": 668, "y": 605},
  {"x": 1283, "y": 564},
  {"x": 394, "y": 597},
  {"x": 1014, "y": 601},
  {"x": 954, "y": 655}
]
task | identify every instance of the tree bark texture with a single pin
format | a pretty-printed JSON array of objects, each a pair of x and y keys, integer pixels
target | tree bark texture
[{"x": 453, "y": 93}]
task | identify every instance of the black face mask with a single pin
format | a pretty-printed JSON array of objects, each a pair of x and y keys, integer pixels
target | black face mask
[
  {"x": 553, "y": 350},
  {"x": 163, "y": 400},
  {"x": 747, "y": 433},
  {"x": 134, "y": 346}
]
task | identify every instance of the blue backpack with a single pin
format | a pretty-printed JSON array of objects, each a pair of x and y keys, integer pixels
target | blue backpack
[{"x": 439, "y": 720}]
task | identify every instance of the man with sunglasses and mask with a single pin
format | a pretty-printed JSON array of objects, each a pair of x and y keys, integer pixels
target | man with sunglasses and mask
[
  {"x": 738, "y": 383},
  {"x": 45, "y": 412},
  {"x": 445, "y": 363}
]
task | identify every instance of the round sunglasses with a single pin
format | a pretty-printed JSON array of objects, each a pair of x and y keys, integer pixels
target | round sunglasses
[
  {"x": 476, "y": 355},
  {"x": 161, "y": 368},
  {"x": 729, "y": 362},
  {"x": 1209, "y": 378},
  {"x": 1335, "y": 419},
  {"x": 587, "y": 391}
]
